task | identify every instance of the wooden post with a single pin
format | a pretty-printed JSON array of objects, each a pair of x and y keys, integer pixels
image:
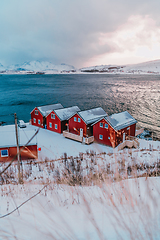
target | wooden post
[{"x": 20, "y": 178}]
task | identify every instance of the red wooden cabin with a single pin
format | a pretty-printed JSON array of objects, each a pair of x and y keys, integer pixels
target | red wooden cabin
[
  {"x": 81, "y": 122},
  {"x": 57, "y": 120},
  {"x": 8, "y": 147},
  {"x": 38, "y": 114},
  {"x": 113, "y": 129}
]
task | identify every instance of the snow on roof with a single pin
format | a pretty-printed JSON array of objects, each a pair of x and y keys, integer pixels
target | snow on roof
[
  {"x": 92, "y": 115},
  {"x": 120, "y": 120},
  {"x": 66, "y": 113},
  {"x": 8, "y": 136},
  {"x": 45, "y": 110}
]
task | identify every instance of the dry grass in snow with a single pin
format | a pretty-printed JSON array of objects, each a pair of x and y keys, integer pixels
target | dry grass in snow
[{"x": 128, "y": 209}]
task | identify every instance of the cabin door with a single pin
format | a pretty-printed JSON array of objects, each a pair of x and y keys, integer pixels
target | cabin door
[
  {"x": 124, "y": 135},
  {"x": 81, "y": 132}
]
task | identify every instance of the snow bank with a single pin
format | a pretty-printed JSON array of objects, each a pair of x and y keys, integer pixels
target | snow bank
[{"x": 126, "y": 210}]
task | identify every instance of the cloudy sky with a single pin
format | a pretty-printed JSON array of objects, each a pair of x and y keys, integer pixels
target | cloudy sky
[{"x": 79, "y": 32}]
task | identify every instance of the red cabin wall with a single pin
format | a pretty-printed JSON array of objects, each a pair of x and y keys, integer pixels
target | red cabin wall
[
  {"x": 106, "y": 133},
  {"x": 30, "y": 152},
  {"x": 37, "y": 117},
  {"x": 77, "y": 125},
  {"x": 115, "y": 137},
  {"x": 129, "y": 131},
  {"x": 53, "y": 121}
]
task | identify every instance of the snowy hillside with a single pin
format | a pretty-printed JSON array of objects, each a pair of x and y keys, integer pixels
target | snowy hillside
[
  {"x": 146, "y": 67},
  {"x": 44, "y": 67},
  {"x": 1, "y": 67},
  {"x": 101, "y": 68},
  {"x": 39, "y": 67},
  {"x": 152, "y": 67}
]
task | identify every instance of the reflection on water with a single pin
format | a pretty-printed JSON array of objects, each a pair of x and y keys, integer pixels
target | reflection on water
[{"x": 138, "y": 94}]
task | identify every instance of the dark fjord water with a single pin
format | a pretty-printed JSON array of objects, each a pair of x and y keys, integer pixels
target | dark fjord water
[{"x": 138, "y": 94}]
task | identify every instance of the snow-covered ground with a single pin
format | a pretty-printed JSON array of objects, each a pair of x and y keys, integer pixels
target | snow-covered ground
[
  {"x": 111, "y": 208},
  {"x": 53, "y": 145},
  {"x": 128, "y": 209}
]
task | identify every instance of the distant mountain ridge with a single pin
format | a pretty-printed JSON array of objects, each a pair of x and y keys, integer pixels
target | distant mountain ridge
[
  {"x": 38, "y": 67},
  {"x": 152, "y": 67},
  {"x": 44, "y": 67}
]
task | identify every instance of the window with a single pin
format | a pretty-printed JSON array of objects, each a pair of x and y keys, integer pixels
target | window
[
  {"x": 128, "y": 128},
  {"x": 39, "y": 122},
  {"x": 4, "y": 153},
  {"x": 101, "y": 124},
  {"x": 36, "y": 112},
  {"x": 106, "y": 125},
  {"x": 101, "y": 137},
  {"x": 50, "y": 125},
  {"x": 109, "y": 138},
  {"x": 34, "y": 120},
  {"x": 56, "y": 126},
  {"x": 52, "y": 116},
  {"x": 75, "y": 119},
  {"x": 79, "y": 120}
]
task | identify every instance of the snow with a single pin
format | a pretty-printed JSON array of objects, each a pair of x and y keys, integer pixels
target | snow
[
  {"x": 125, "y": 209},
  {"x": 39, "y": 66},
  {"x": 151, "y": 67},
  {"x": 92, "y": 115},
  {"x": 45, "y": 110},
  {"x": 121, "y": 120},
  {"x": 66, "y": 113},
  {"x": 8, "y": 136}
]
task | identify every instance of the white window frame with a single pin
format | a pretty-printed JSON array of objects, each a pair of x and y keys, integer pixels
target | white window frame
[
  {"x": 101, "y": 124},
  {"x": 6, "y": 155},
  {"x": 100, "y": 136},
  {"x": 106, "y": 125},
  {"x": 79, "y": 120},
  {"x": 75, "y": 119},
  {"x": 34, "y": 120},
  {"x": 36, "y": 112},
  {"x": 50, "y": 124},
  {"x": 52, "y": 116},
  {"x": 39, "y": 121},
  {"x": 56, "y": 126}
]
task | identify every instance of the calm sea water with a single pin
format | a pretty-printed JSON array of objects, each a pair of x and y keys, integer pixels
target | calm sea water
[{"x": 138, "y": 94}]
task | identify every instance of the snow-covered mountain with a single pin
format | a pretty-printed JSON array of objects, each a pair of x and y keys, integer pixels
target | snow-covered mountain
[
  {"x": 2, "y": 67},
  {"x": 101, "y": 68},
  {"x": 39, "y": 67},
  {"x": 151, "y": 67},
  {"x": 44, "y": 67},
  {"x": 146, "y": 67}
]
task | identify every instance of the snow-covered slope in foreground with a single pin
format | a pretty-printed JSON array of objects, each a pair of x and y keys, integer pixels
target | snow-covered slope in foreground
[
  {"x": 128, "y": 209},
  {"x": 105, "y": 207}
]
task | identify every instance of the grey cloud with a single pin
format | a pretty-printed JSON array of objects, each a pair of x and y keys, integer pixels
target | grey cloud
[{"x": 63, "y": 31}]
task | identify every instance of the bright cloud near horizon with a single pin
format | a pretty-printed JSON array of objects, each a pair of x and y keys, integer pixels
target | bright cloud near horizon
[{"x": 80, "y": 33}]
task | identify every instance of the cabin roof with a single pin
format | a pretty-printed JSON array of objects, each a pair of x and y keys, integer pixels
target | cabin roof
[
  {"x": 120, "y": 120},
  {"x": 8, "y": 136},
  {"x": 92, "y": 115},
  {"x": 66, "y": 113},
  {"x": 45, "y": 110}
]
